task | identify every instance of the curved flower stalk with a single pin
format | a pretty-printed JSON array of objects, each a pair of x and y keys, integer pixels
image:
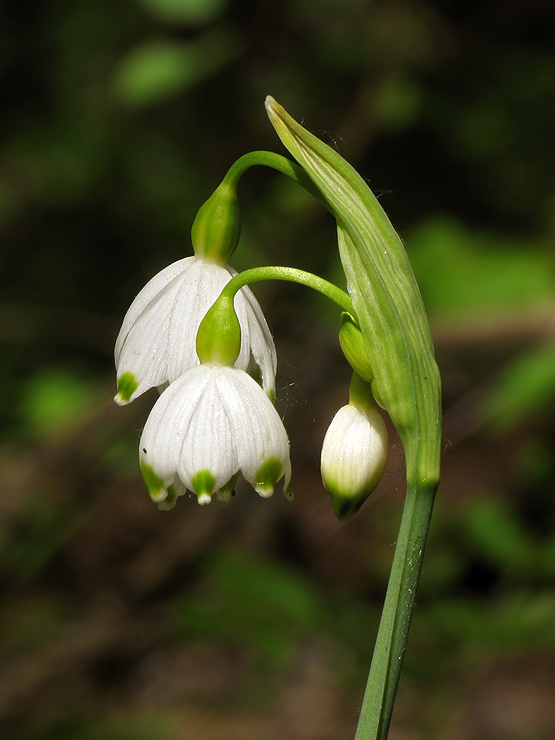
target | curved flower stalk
[
  {"x": 156, "y": 343},
  {"x": 207, "y": 427}
]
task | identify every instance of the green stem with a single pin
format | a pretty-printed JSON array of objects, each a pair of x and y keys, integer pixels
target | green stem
[
  {"x": 256, "y": 274},
  {"x": 276, "y": 162},
  {"x": 391, "y": 642}
]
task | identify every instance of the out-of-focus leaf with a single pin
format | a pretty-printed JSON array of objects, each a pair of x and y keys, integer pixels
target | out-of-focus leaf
[
  {"x": 526, "y": 386},
  {"x": 185, "y": 11},
  {"x": 159, "y": 69},
  {"x": 398, "y": 103},
  {"x": 466, "y": 273},
  {"x": 496, "y": 534},
  {"x": 42, "y": 529},
  {"x": 260, "y": 605},
  {"x": 55, "y": 399},
  {"x": 486, "y": 129},
  {"x": 519, "y": 621}
]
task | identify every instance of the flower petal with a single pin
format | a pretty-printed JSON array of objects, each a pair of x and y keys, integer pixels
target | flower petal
[
  {"x": 162, "y": 438},
  {"x": 157, "y": 341},
  {"x": 208, "y": 441},
  {"x": 145, "y": 296},
  {"x": 199, "y": 288},
  {"x": 208, "y": 425},
  {"x": 257, "y": 428},
  {"x": 261, "y": 343},
  {"x": 143, "y": 347}
]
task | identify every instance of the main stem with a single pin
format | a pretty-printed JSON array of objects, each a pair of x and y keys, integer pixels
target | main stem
[{"x": 391, "y": 642}]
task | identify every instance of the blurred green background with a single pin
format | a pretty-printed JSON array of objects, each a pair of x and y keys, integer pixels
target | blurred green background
[{"x": 256, "y": 619}]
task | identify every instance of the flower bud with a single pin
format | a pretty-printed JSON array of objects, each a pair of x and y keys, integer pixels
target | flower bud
[
  {"x": 354, "y": 453},
  {"x": 217, "y": 226},
  {"x": 352, "y": 344}
]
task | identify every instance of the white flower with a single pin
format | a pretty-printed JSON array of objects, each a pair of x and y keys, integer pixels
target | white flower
[
  {"x": 354, "y": 456},
  {"x": 157, "y": 341},
  {"x": 208, "y": 426}
]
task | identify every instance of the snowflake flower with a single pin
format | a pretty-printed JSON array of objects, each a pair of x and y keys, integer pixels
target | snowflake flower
[
  {"x": 156, "y": 343},
  {"x": 207, "y": 427}
]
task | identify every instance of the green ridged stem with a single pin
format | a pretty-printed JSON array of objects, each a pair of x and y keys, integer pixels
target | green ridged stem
[{"x": 391, "y": 641}]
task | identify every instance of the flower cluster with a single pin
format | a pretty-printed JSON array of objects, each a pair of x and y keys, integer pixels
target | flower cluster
[
  {"x": 211, "y": 422},
  {"x": 205, "y": 345}
]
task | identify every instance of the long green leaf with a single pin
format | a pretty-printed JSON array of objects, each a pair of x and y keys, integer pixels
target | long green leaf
[{"x": 385, "y": 297}]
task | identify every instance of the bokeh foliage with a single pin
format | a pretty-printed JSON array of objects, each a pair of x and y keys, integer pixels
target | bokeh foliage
[{"x": 118, "y": 120}]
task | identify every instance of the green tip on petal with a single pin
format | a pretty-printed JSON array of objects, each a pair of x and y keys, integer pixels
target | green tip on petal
[
  {"x": 344, "y": 506},
  {"x": 267, "y": 476},
  {"x": 204, "y": 484},
  {"x": 127, "y": 385},
  {"x": 154, "y": 484}
]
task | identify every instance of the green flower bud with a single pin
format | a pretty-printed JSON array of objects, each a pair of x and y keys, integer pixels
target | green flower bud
[
  {"x": 354, "y": 349},
  {"x": 352, "y": 344},
  {"x": 217, "y": 226},
  {"x": 219, "y": 334}
]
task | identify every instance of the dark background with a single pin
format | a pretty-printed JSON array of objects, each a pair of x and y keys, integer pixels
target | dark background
[{"x": 255, "y": 620}]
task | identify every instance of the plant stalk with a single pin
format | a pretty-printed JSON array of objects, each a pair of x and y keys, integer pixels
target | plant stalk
[
  {"x": 391, "y": 642},
  {"x": 292, "y": 274}
]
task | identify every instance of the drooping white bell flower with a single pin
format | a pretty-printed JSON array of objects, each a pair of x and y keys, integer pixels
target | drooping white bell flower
[
  {"x": 354, "y": 454},
  {"x": 156, "y": 343},
  {"x": 207, "y": 427}
]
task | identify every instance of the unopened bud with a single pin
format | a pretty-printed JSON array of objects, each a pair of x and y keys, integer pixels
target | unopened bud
[
  {"x": 352, "y": 344},
  {"x": 354, "y": 453}
]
